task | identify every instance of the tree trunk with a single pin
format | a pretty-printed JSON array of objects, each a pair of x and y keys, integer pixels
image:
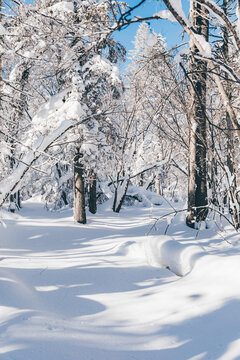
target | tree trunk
[
  {"x": 92, "y": 193},
  {"x": 213, "y": 170},
  {"x": 12, "y": 197},
  {"x": 158, "y": 187},
  {"x": 119, "y": 195},
  {"x": 18, "y": 199},
  {"x": 62, "y": 192},
  {"x": 230, "y": 137},
  {"x": 197, "y": 179},
  {"x": 79, "y": 190}
]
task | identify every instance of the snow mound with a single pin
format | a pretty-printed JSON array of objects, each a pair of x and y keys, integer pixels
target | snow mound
[
  {"x": 166, "y": 252},
  {"x": 132, "y": 249},
  {"x": 163, "y": 251},
  {"x": 143, "y": 196}
]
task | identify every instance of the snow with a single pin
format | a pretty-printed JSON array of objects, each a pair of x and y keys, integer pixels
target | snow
[
  {"x": 98, "y": 64},
  {"x": 177, "y": 6},
  {"x": 40, "y": 145},
  {"x": 60, "y": 107},
  {"x": 177, "y": 257},
  {"x": 180, "y": 54},
  {"x": 205, "y": 45},
  {"x": 58, "y": 116},
  {"x": 89, "y": 149},
  {"x": 151, "y": 39},
  {"x": 165, "y": 14},
  {"x": 61, "y": 7},
  {"x": 2, "y": 30},
  {"x": 115, "y": 76},
  {"x": 71, "y": 292}
]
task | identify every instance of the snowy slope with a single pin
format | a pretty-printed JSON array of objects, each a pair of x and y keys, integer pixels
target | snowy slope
[{"x": 99, "y": 291}]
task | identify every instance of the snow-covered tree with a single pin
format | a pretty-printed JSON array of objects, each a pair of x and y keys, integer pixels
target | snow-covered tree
[
  {"x": 71, "y": 61},
  {"x": 150, "y": 126}
]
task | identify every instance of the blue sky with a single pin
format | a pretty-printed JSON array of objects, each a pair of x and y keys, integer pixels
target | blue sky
[{"x": 171, "y": 31}]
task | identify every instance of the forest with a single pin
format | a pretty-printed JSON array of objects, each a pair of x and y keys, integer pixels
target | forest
[{"x": 119, "y": 180}]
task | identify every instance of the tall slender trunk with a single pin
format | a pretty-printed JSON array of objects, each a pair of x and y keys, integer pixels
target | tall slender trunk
[
  {"x": 92, "y": 193},
  {"x": 13, "y": 197},
  {"x": 197, "y": 178},
  {"x": 158, "y": 185},
  {"x": 213, "y": 169},
  {"x": 79, "y": 190},
  {"x": 225, "y": 49}
]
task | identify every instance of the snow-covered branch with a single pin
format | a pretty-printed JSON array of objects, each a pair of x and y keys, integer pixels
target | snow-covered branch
[
  {"x": 204, "y": 47},
  {"x": 219, "y": 13},
  {"x": 11, "y": 182}
]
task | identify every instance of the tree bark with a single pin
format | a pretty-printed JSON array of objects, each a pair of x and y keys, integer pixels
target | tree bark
[
  {"x": 197, "y": 177},
  {"x": 158, "y": 185},
  {"x": 225, "y": 49},
  {"x": 79, "y": 190},
  {"x": 119, "y": 195},
  {"x": 63, "y": 194},
  {"x": 12, "y": 197},
  {"x": 93, "y": 193}
]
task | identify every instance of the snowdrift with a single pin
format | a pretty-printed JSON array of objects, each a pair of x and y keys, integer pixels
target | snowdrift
[{"x": 163, "y": 251}]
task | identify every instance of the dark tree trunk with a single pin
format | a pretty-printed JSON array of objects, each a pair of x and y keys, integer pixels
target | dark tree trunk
[
  {"x": 13, "y": 197},
  {"x": 18, "y": 199},
  {"x": 79, "y": 190},
  {"x": 141, "y": 180},
  {"x": 197, "y": 180},
  {"x": 92, "y": 193},
  {"x": 119, "y": 195},
  {"x": 63, "y": 193}
]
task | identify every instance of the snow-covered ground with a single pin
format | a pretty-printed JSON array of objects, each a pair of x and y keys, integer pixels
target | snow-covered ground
[{"x": 103, "y": 291}]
